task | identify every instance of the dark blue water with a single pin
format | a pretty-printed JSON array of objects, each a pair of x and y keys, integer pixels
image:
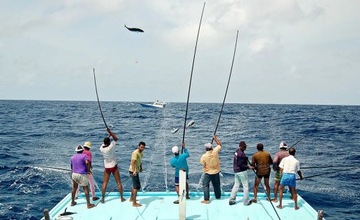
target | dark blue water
[{"x": 36, "y": 135}]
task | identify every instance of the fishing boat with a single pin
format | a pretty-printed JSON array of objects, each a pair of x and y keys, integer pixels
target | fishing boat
[
  {"x": 157, "y": 104},
  {"x": 159, "y": 205}
]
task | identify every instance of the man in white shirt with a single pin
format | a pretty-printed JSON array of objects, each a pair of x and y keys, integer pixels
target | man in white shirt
[{"x": 289, "y": 167}]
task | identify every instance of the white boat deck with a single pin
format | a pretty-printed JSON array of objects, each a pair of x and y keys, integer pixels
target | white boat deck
[{"x": 159, "y": 205}]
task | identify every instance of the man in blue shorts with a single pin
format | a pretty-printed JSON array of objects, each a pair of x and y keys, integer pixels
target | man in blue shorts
[{"x": 289, "y": 167}]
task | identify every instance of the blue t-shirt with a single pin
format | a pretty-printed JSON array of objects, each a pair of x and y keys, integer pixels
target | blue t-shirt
[
  {"x": 78, "y": 163},
  {"x": 179, "y": 162}
]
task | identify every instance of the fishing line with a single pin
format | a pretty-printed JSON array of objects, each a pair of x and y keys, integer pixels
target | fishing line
[
  {"x": 192, "y": 70},
  {"x": 298, "y": 141},
  {"x": 97, "y": 96},
  {"x": 325, "y": 173},
  {"x": 331, "y": 166}
]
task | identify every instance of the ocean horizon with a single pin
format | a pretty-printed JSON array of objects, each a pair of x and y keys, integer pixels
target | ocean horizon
[{"x": 37, "y": 135}]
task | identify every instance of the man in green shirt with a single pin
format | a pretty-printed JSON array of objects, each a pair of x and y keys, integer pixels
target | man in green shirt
[{"x": 134, "y": 169}]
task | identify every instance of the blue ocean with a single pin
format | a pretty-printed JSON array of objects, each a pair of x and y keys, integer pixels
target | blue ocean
[{"x": 37, "y": 139}]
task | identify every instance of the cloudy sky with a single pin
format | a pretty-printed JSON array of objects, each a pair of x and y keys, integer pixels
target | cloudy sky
[{"x": 288, "y": 52}]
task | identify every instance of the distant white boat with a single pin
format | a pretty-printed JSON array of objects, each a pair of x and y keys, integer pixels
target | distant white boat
[{"x": 157, "y": 104}]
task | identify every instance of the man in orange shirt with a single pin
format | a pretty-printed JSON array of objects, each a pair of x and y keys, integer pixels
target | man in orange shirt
[{"x": 211, "y": 167}]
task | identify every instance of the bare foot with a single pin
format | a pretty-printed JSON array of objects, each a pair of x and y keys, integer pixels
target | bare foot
[
  {"x": 73, "y": 203},
  {"x": 279, "y": 206},
  {"x": 274, "y": 200},
  {"x": 123, "y": 199},
  {"x": 102, "y": 201},
  {"x": 95, "y": 198},
  {"x": 205, "y": 201},
  {"x": 254, "y": 200},
  {"x": 89, "y": 206},
  {"x": 296, "y": 207},
  {"x": 136, "y": 204}
]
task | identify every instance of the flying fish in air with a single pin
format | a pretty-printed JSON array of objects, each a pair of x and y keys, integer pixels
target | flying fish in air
[{"x": 134, "y": 29}]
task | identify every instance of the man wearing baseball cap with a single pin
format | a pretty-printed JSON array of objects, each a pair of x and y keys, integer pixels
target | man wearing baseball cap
[
  {"x": 277, "y": 159},
  {"x": 211, "y": 167},
  {"x": 179, "y": 163}
]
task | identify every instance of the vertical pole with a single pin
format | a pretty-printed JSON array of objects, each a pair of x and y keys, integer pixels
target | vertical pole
[{"x": 182, "y": 195}]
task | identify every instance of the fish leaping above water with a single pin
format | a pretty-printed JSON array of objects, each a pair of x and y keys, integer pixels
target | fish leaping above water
[{"x": 134, "y": 29}]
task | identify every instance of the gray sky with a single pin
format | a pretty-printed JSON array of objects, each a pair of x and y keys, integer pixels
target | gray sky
[{"x": 289, "y": 52}]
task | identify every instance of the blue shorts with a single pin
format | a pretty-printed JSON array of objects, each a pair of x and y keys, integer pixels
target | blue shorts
[
  {"x": 177, "y": 180},
  {"x": 288, "y": 179}
]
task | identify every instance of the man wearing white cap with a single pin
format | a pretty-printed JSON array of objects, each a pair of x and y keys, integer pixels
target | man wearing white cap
[
  {"x": 211, "y": 167},
  {"x": 277, "y": 159},
  {"x": 87, "y": 146},
  {"x": 80, "y": 166},
  {"x": 179, "y": 163}
]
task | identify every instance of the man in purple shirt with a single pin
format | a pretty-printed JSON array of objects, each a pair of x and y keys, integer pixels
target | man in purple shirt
[
  {"x": 240, "y": 166},
  {"x": 80, "y": 166}
]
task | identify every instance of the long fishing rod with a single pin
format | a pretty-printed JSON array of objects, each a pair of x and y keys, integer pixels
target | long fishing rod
[
  {"x": 227, "y": 86},
  {"x": 326, "y": 173},
  {"x": 321, "y": 174},
  {"x": 331, "y": 166},
  {"x": 298, "y": 141},
  {"x": 97, "y": 96},
  {"x": 192, "y": 70},
  {"x": 223, "y": 103}
]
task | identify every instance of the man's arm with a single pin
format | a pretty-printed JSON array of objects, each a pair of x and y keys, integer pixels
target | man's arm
[
  {"x": 300, "y": 174},
  {"x": 111, "y": 134}
]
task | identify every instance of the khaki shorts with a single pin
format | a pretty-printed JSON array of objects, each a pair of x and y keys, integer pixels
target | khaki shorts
[{"x": 81, "y": 179}]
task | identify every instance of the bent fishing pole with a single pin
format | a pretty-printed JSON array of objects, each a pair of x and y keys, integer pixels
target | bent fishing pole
[
  {"x": 223, "y": 103},
  {"x": 97, "y": 96},
  {"x": 191, "y": 74},
  {"x": 227, "y": 86},
  {"x": 298, "y": 141}
]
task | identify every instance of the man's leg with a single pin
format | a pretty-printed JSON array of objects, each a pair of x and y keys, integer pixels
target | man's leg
[
  {"x": 206, "y": 181},
  {"x": 104, "y": 185},
  {"x": 216, "y": 184},
  {"x": 119, "y": 184}
]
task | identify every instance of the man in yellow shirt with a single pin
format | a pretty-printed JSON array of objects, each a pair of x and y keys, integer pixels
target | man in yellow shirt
[
  {"x": 211, "y": 167},
  {"x": 134, "y": 169}
]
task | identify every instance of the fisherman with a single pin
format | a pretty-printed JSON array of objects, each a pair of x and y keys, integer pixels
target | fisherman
[
  {"x": 107, "y": 149},
  {"x": 80, "y": 166},
  {"x": 240, "y": 165},
  {"x": 277, "y": 159},
  {"x": 289, "y": 166},
  {"x": 87, "y": 146},
  {"x": 261, "y": 160},
  {"x": 134, "y": 170},
  {"x": 211, "y": 167},
  {"x": 179, "y": 163}
]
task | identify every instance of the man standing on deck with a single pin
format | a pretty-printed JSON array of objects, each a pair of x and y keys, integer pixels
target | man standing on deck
[
  {"x": 134, "y": 170},
  {"x": 240, "y": 166},
  {"x": 289, "y": 166},
  {"x": 107, "y": 149},
  {"x": 80, "y": 166},
  {"x": 276, "y": 162},
  {"x": 87, "y": 146},
  {"x": 179, "y": 163},
  {"x": 211, "y": 167},
  {"x": 261, "y": 160}
]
